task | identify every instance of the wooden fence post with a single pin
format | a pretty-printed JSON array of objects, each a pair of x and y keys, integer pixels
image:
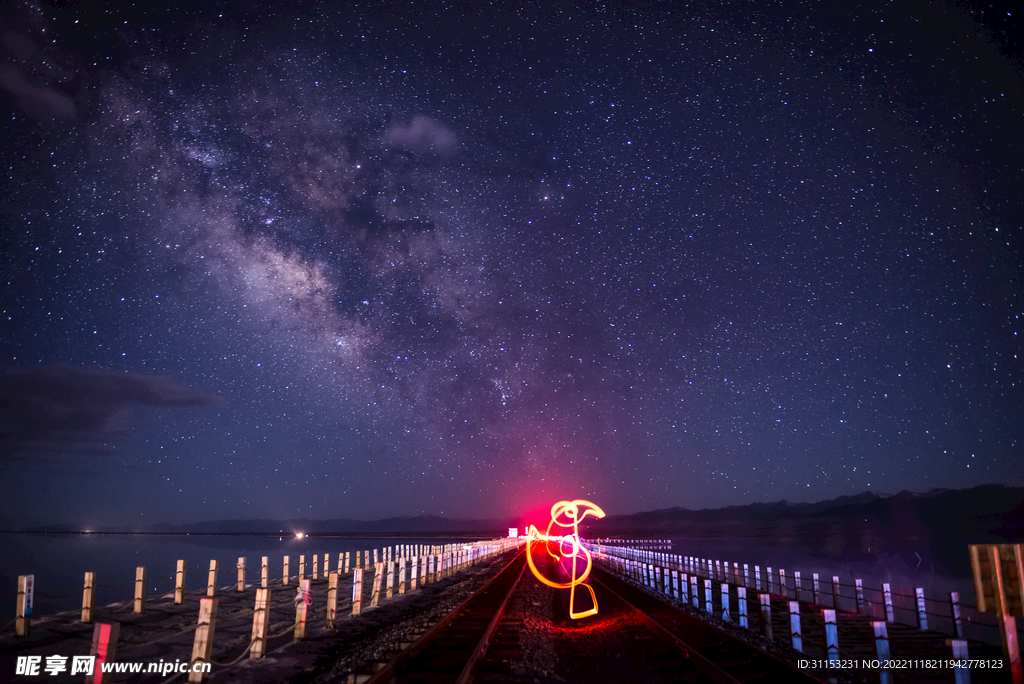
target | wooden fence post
[
  {"x": 260, "y": 623},
  {"x": 240, "y": 587},
  {"x": 708, "y": 607},
  {"x": 741, "y": 605},
  {"x": 746, "y": 575},
  {"x": 302, "y": 601},
  {"x": 882, "y": 649},
  {"x": 783, "y": 589},
  {"x": 357, "y": 591},
  {"x": 140, "y": 590},
  {"x": 302, "y": 568},
  {"x": 693, "y": 591},
  {"x": 265, "y": 572},
  {"x": 768, "y": 579},
  {"x": 104, "y": 647},
  {"x": 956, "y": 649},
  {"x": 862, "y": 605},
  {"x": 378, "y": 575},
  {"x": 816, "y": 588},
  {"x": 798, "y": 588},
  {"x": 211, "y": 581},
  {"x": 835, "y": 592},
  {"x": 332, "y": 599},
  {"x": 794, "y": 626},
  {"x": 179, "y": 583},
  {"x": 287, "y": 562},
  {"x": 23, "y": 610},
  {"x": 316, "y": 567},
  {"x": 922, "y": 611},
  {"x": 88, "y": 597},
  {"x": 954, "y": 609},
  {"x": 828, "y": 616},
  {"x": 390, "y": 588},
  {"x": 401, "y": 575},
  {"x": 757, "y": 578},
  {"x": 766, "y": 615},
  {"x": 887, "y": 597},
  {"x": 341, "y": 562},
  {"x": 725, "y": 602},
  {"x": 347, "y": 558},
  {"x": 414, "y": 577},
  {"x": 202, "y": 645}
]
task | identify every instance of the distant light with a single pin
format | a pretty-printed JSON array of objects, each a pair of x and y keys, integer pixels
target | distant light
[{"x": 299, "y": 535}]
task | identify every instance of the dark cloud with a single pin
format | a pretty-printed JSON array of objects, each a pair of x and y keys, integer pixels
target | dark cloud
[{"x": 60, "y": 409}]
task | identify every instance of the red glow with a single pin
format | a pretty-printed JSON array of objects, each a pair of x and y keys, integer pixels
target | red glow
[{"x": 569, "y": 512}]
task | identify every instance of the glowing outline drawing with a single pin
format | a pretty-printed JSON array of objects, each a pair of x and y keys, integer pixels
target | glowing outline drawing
[{"x": 571, "y": 510}]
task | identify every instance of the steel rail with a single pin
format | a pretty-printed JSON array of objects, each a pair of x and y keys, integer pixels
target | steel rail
[
  {"x": 388, "y": 673},
  {"x": 481, "y": 648},
  {"x": 793, "y": 673}
]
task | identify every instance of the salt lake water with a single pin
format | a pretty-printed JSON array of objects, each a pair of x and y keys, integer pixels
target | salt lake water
[{"x": 60, "y": 561}]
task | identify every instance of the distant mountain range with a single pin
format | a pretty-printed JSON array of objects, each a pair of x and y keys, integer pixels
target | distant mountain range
[
  {"x": 988, "y": 512},
  {"x": 992, "y": 511}
]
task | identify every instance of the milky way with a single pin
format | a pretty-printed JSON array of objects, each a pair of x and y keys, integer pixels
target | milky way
[{"x": 389, "y": 260}]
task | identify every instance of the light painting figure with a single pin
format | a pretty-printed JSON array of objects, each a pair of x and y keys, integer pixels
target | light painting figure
[{"x": 566, "y": 514}]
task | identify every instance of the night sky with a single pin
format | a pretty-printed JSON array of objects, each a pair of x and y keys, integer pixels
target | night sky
[{"x": 379, "y": 259}]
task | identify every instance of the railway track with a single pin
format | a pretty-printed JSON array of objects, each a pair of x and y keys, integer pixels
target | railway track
[{"x": 515, "y": 630}]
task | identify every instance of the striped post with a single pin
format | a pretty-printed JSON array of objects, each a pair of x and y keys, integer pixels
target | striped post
[
  {"x": 882, "y": 649},
  {"x": 954, "y": 609},
  {"x": 766, "y": 615},
  {"x": 956, "y": 649},
  {"x": 816, "y": 588},
  {"x": 284, "y": 581},
  {"x": 828, "y": 616},
  {"x": 862, "y": 605},
  {"x": 357, "y": 591},
  {"x": 104, "y": 647},
  {"x": 757, "y": 577},
  {"x": 794, "y": 626},
  {"x": 798, "y": 588},
  {"x": 922, "y": 611}
]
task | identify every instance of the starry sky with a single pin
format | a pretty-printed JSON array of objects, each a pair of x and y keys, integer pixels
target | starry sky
[{"x": 457, "y": 258}]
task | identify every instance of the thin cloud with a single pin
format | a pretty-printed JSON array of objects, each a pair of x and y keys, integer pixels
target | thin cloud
[{"x": 65, "y": 409}]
